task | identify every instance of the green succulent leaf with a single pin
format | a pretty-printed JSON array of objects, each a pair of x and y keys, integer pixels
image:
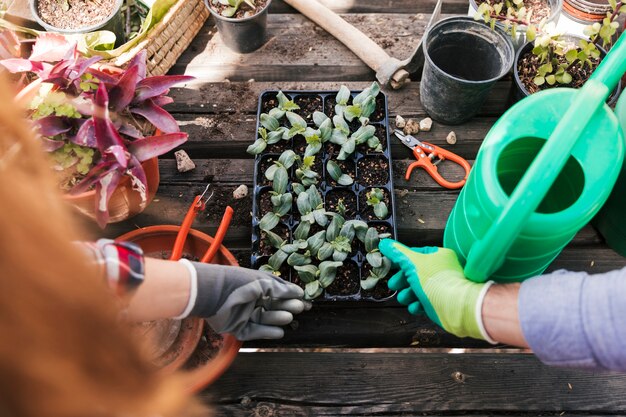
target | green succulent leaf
[
  {"x": 352, "y": 112},
  {"x": 312, "y": 290},
  {"x": 381, "y": 211},
  {"x": 296, "y": 120},
  {"x": 277, "y": 113},
  {"x": 371, "y": 239},
  {"x": 319, "y": 118},
  {"x": 345, "y": 179},
  {"x": 360, "y": 229},
  {"x": 326, "y": 251},
  {"x": 295, "y": 246},
  {"x": 286, "y": 201},
  {"x": 299, "y": 259},
  {"x": 287, "y": 158},
  {"x": 267, "y": 268},
  {"x": 302, "y": 231},
  {"x": 334, "y": 228},
  {"x": 270, "y": 172},
  {"x": 343, "y": 95},
  {"x": 257, "y": 147},
  {"x": 269, "y": 221},
  {"x": 340, "y": 256},
  {"x": 369, "y": 282},
  {"x": 384, "y": 269},
  {"x": 304, "y": 204},
  {"x": 320, "y": 217},
  {"x": 277, "y": 259},
  {"x": 281, "y": 180},
  {"x": 375, "y": 259},
  {"x": 274, "y": 137},
  {"x": 269, "y": 122},
  {"x": 341, "y": 125},
  {"x": 307, "y": 273},
  {"x": 284, "y": 103},
  {"x": 315, "y": 198},
  {"x": 297, "y": 188},
  {"x": 274, "y": 240},
  {"x": 338, "y": 137},
  {"x": 328, "y": 272},
  {"x": 374, "y": 143},
  {"x": 315, "y": 242},
  {"x": 326, "y": 130},
  {"x": 334, "y": 170}
]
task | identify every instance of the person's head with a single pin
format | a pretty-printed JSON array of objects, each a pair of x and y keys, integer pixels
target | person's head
[{"x": 63, "y": 351}]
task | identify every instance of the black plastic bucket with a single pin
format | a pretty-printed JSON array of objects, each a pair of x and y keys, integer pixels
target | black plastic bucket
[
  {"x": 463, "y": 60},
  {"x": 113, "y": 23},
  {"x": 242, "y": 35}
]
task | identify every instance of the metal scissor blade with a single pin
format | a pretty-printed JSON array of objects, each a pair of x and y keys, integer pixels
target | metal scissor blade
[{"x": 408, "y": 140}]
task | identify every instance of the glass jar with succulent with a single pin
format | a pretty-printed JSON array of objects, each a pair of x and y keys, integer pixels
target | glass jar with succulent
[
  {"x": 97, "y": 123},
  {"x": 326, "y": 250}
]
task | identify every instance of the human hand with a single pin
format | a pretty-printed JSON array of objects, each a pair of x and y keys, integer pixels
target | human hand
[
  {"x": 249, "y": 304},
  {"x": 432, "y": 278}
]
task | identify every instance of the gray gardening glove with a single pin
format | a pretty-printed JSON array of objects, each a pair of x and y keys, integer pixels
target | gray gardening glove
[{"x": 249, "y": 304}]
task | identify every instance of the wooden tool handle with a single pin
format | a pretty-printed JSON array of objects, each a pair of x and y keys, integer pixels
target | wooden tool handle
[{"x": 363, "y": 47}]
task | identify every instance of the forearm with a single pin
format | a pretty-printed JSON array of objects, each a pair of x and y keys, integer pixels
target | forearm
[
  {"x": 500, "y": 315},
  {"x": 164, "y": 292}
]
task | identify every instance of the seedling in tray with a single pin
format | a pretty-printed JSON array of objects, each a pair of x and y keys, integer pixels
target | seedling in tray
[{"x": 328, "y": 237}]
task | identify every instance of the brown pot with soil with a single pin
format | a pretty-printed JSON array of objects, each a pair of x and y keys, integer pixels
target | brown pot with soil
[
  {"x": 79, "y": 16},
  {"x": 125, "y": 202},
  {"x": 525, "y": 70},
  {"x": 190, "y": 344},
  {"x": 242, "y": 29}
]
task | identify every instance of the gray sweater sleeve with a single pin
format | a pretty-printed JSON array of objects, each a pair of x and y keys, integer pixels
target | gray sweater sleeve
[{"x": 576, "y": 319}]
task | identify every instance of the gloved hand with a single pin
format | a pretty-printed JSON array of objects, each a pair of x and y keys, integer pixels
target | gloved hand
[
  {"x": 249, "y": 304},
  {"x": 432, "y": 278}
]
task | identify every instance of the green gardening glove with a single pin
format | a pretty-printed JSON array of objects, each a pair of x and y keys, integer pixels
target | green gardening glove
[{"x": 432, "y": 278}]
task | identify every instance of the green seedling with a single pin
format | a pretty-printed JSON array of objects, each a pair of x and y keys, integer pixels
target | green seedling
[
  {"x": 334, "y": 170},
  {"x": 297, "y": 123},
  {"x": 271, "y": 132},
  {"x": 376, "y": 274},
  {"x": 274, "y": 263},
  {"x": 375, "y": 199},
  {"x": 284, "y": 105},
  {"x": 285, "y": 161},
  {"x": 339, "y": 237},
  {"x": 305, "y": 173},
  {"x": 281, "y": 199},
  {"x": 341, "y": 100},
  {"x": 316, "y": 279},
  {"x": 363, "y": 105},
  {"x": 311, "y": 207}
]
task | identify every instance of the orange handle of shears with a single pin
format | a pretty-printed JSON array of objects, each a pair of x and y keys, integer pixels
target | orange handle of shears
[
  {"x": 425, "y": 162},
  {"x": 179, "y": 243},
  {"x": 219, "y": 236}
]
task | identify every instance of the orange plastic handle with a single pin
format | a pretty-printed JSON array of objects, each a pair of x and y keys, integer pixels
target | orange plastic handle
[
  {"x": 179, "y": 243},
  {"x": 423, "y": 161},
  {"x": 219, "y": 236}
]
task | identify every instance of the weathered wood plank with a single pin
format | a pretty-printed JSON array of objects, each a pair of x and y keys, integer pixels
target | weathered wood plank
[
  {"x": 201, "y": 96},
  {"x": 378, "y": 6},
  {"x": 388, "y": 383},
  {"x": 299, "y": 50}
]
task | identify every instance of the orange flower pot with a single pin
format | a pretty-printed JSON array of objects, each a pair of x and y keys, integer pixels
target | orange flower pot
[{"x": 158, "y": 240}]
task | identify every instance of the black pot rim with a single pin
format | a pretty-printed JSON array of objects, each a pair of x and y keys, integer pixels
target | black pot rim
[
  {"x": 48, "y": 27},
  {"x": 473, "y": 22},
  {"x": 234, "y": 20},
  {"x": 522, "y": 87}
]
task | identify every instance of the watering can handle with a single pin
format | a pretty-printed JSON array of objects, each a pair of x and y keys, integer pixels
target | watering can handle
[{"x": 487, "y": 254}]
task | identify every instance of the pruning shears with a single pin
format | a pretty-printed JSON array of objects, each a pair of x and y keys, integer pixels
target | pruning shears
[{"x": 428, "y": 156}]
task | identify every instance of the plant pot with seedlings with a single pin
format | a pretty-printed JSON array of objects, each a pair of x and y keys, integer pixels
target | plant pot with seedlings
[
  {"x": 97, "y": 125},
  {"x": 80, "y": 16},
  {"x": 557, "y": 60},
  {"x": 309, "y": 225},
  {"x": 241, "y": 23}
]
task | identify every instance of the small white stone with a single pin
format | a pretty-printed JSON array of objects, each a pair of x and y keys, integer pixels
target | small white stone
[
  {"x": 240, "y": 192},
  {"x": 411, "y": 127},
  {"x": 451, "y": 138},
  {"x": 183, "y": 162},
  {"x": 400, "y": 122},
  {"x": 426, "y": 124}
]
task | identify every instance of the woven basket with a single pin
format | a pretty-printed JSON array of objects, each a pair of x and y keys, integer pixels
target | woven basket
[{"x": 167, "y": 40}]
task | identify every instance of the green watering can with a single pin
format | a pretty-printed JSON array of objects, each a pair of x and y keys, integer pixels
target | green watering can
[{"x": 543, "y": 171}]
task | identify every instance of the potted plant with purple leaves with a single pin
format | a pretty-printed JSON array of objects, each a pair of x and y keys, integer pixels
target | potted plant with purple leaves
[{"x": 98, "y": 125}]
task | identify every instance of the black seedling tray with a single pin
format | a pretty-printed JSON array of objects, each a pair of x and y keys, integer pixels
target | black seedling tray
[{"x": 357, "y": 189}]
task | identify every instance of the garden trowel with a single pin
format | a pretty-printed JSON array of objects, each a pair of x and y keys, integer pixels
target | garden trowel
[{"x": 389, "y": 71}]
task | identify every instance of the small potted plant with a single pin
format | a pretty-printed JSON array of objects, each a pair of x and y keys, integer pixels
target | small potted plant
[
  {"x": 241, "y": 23},
  {"x": 97, "y": 124},
  {"x": 317, "y": 154},
  {"x": 80, "y": 16}
]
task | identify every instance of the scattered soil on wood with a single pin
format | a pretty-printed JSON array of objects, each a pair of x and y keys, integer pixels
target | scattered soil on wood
[
  {"x": 347, "y": 280},
  {"x": 265, "y": 248},
  {"x": 373, "y": 171},
  {"x": 208, "y": 348},
  {"x": 74, "y": 14},
  {"x": 367, "y": 212},
  {"x": 223, "y": 197},
  {"x": 527, "y": 69},
  {"x": 380, "y": 291},
  {"x": 243, "y": 11},
  {"x": 347, "y": 167},
  {"x": 309, "y": 104},
  {"x": 540, "y": 9},
  {"x": 348, "y": 198}
]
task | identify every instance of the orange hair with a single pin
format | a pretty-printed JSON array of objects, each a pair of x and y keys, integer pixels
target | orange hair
[{"x": 63, "y": 351}]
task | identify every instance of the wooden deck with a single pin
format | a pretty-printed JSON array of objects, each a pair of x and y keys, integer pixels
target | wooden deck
[{"x": 388, "y": 362}]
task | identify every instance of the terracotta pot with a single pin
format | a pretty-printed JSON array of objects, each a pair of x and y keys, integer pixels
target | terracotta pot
[
  {"x": 155, "y": 240},
  {"x": 125, "y": 202}
]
